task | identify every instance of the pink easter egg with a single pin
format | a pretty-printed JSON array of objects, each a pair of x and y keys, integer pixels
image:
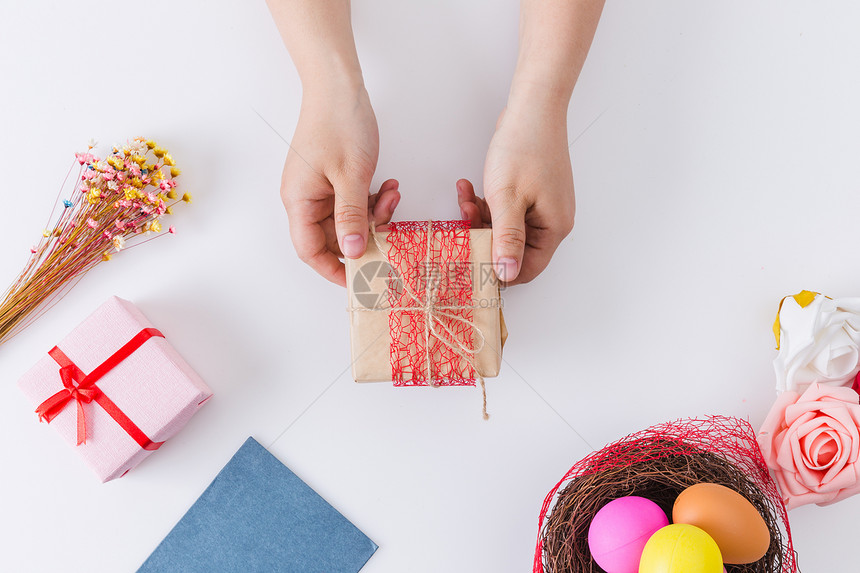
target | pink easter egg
[{"x": 619, "y": 531}]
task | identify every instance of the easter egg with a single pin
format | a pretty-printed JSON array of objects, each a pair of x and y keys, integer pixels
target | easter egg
[
  {"x": 681, "y": 548},
  {"x": 619, "y": 531},
  {"x": 727, "y": 516}
]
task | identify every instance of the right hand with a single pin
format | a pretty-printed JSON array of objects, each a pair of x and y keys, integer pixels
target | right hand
[{"x": 326, "y": 181}]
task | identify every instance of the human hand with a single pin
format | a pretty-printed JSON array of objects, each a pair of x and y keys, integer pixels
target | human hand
[
  {"x": 326, "y": 181},
  {"x": 528, "y": 190}
]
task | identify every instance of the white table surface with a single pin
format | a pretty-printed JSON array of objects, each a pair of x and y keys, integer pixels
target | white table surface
[{"x": 715, "y": 155}]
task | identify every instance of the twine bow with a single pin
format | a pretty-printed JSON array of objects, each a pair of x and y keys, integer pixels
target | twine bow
[{"x": 433, "y": 314}]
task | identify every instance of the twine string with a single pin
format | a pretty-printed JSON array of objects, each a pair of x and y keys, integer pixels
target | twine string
[{"x": 433, "y": 315}]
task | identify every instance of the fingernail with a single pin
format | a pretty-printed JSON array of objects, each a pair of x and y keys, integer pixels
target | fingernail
[
  {"x": 506, "y": 268},
  {"x": 463, "y": 214},
  {"x": 352, "y": 246},
  {"x": 394, "y": 203}
]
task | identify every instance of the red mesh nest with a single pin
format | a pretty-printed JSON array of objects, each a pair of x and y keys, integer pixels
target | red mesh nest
[{"x": 659, "y": 463}]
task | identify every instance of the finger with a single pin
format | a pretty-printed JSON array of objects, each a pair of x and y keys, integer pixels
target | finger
[
  {"x": 485, "y": 212},
  {"x": 350, "y": 214},
  {"x": 329, "y": 267},
  {"x": 470, "y": 205},
  {"x": 466, "y": 194},
  {"x": 327, "y": 225},
  {"x": 309, "y": 240},
  {"x": 471, "y": 213},
  {"x": 465, "y": 191},
  {"x": 386, "y": 186},
  {"x": 536, "y": 257},
  {"x": 509, "y": 234},
  {"x": 383, "y": 203},
  {"x": 545, "y": 230},
  {"x": 309, "y": 205}
]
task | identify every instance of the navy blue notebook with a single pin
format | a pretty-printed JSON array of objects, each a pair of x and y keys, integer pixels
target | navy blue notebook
[{"x": 257, "y": 515}]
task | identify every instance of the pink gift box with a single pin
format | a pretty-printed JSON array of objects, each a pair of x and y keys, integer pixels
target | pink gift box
[{"x": 153, "y": 389}]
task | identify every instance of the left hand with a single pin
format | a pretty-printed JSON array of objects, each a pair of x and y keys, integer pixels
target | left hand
[{"x": 528, "y": 188}]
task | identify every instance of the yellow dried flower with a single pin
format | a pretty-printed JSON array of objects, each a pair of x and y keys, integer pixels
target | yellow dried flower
[
  {"x": 150, "y": 144},
  {"x": 155, "y": 226},
  {"x": 169, "y": 211},
  {"x": 105, "y": 256},
  {"x": 168, "y": 160},
  {"x": 161, "y": 197},
  {"x": 94, "y": 196},
  {"x": 131, "y": 193},
  {"x": 187, "y": 197},
  {"x": 137, "y": 182},
  {"x": 171, "y": 194},
  {"x": 58, "y": 232},
  {"x": 159, "y": 152},
  {"x": 115, "y": 162},
  {"x": 157, "y": 175},
  {"x": 139, "y": 159},
  {"x": 46, "y": 233},
  {"x": 174, "y": 172}
]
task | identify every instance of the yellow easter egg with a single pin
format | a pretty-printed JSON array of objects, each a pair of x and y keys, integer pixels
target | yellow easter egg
[{"x": 681, "y": 548}]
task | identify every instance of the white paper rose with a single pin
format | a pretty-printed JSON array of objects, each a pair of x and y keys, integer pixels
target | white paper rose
[{"x": 818, "y": 339}]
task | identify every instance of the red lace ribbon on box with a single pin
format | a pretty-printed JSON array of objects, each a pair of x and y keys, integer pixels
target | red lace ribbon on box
[
  {"x": 430, "y": 296},
  {"x": 82, "y": 389}
]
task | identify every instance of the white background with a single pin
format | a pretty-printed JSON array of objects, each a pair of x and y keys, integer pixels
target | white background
[{"x": 719, "y": 173}]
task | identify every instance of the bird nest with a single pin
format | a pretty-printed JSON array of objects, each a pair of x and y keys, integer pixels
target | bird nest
[{"x": 658, "y": 464}]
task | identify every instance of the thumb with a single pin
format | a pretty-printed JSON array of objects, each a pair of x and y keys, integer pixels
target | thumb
[
  {"x": 509, "y": 238},
  {"x": 350, "y": 216}
]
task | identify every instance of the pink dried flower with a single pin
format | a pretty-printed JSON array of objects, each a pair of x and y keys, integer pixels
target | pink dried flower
[{"x": 84, "y": 157}]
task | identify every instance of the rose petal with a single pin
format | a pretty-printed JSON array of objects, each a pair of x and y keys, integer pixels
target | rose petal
[
  {"x": 773, "y": 425},
  {"x": 820, "y": 448},
  {"x": 801, "y": 412},
  {"x": 789, "y": 484},
  {"x": 846, "y": 492},
  {"x": 809, "y": 477},
  {"x": 819, "y": 343},
  {"x": 844, "y": 479},
  {"x": 796, "y": 495}
]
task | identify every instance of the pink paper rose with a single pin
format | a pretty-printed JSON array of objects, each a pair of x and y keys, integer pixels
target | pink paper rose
[{"x": 811, "y": 442}]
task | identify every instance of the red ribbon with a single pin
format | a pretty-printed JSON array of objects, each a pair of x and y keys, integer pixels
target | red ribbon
[{"x": 86, "y": 391}]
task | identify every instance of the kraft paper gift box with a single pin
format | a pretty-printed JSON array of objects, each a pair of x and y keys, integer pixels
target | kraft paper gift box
[
  {"x": 407, "y": 275},
  {"x": 258, "y": 516},
  {"x": 114, "y": 388}
]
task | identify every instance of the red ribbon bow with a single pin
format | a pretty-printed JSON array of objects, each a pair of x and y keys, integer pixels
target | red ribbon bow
[
  {"x": 86, "y": 391},
  {"x": 57, "y": 403}
]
